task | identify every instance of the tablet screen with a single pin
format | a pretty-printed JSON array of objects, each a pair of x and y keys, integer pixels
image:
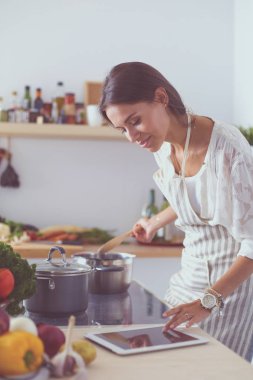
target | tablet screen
[{"x": 148, "y": 337}]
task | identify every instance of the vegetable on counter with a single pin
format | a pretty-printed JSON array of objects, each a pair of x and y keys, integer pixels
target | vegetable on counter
[
  {"x": 63, "y": 234},
  {"x": 25, "y": 348},
  {"x": 7, "y": 282},
  {"x": 85, "y": 349},
  {"x": 68, "y": 362},
  {"x": 24, "y": 275},
  {"x": 52, "y": 337},
  {"x": 11, "y": 231},
  {"x": 4, "y": 322},
  {"x": 20, "y": 352},
  {"x": 23, "y": 324}
]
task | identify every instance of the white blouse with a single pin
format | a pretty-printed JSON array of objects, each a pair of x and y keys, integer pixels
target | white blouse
[
  {"x": 225, "y": 183},
  {"x": 193, "y": 192}
]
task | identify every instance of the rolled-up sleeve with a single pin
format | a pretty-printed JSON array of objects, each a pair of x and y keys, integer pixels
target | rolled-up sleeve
[
  {"x": 246, "y": 248},
  {"x": 242, "y": 205}
]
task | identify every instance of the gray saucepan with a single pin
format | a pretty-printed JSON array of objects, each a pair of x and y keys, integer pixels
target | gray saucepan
[
  {"x": 61, "y": 286},
  {"x": 112, "y": 272}
]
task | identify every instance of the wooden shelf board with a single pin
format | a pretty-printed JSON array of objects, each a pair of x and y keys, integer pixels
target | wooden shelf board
[{"x": 68, "y": 131}]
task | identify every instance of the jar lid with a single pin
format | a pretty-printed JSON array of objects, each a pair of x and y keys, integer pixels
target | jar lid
[{"x": 61, "y": 267}]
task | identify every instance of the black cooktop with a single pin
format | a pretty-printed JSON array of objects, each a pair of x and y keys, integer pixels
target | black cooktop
[{"x": 136, "y": 306}]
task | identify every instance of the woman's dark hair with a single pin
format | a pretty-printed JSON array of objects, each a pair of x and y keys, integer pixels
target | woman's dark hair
[{"x": 133, "y": 82}]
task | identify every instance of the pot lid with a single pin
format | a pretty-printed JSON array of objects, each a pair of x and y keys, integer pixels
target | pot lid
[
  {"x": 61, "y": 266},
  {"x": 60, "y": 269}
]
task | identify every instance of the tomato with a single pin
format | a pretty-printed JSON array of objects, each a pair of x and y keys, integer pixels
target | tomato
[{"x": 7, "y": 282}]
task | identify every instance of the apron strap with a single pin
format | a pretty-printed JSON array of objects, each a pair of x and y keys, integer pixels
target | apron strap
[{"x": 186, "y": 145}]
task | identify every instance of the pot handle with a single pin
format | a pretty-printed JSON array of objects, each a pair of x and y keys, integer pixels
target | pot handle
[
  {"x": 63, "y": 256},
  {"x": 51, "y": 283},
  {"x": 113, "y": 268}
]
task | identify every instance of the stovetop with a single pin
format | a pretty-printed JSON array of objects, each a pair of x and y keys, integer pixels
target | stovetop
[{"x": 136, "y": 306}]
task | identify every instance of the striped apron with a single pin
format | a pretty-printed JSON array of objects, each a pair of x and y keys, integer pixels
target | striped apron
[{"x": 208, "y": 253}]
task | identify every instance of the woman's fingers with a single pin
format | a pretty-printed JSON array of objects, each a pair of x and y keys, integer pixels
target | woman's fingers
[
  {"x": 172, "y": 311},
  {"x": 177, "y": 320},
  {"x": 140, "y": 231},
  {"x": 188, "y": 313},
  {"x": 191, "y": 322}
]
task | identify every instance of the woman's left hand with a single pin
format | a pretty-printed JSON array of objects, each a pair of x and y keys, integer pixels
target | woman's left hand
[{"x": 188, "y": 313}]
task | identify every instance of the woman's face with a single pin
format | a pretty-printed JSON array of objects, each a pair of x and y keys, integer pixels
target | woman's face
[{"x": 145, "y": 124}]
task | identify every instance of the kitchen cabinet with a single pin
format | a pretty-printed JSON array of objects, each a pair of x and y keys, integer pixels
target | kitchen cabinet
[{"x": 65, "y": 131}]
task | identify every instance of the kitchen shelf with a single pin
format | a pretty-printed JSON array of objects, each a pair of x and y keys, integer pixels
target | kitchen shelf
[{"x": 67, "y": 131}]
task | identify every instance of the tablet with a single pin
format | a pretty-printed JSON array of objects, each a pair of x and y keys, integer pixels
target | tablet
[{"x": 139, "y": 340}]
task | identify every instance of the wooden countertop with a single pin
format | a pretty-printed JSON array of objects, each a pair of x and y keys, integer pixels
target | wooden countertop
[
  {"x": 38, "y": 250},
  {"x": 210, "y": 361}
]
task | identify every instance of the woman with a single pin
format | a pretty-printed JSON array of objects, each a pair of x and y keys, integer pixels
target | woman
[{"x": 206, "y": 173}]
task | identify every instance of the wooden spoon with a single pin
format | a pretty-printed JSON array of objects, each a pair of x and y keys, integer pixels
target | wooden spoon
[
  {"x": 114, "y": 242},
  {"x": 110, "y": 244}
]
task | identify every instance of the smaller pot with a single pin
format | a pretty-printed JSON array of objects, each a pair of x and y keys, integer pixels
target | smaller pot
[
  {"x": 61, "y": 287},
  {"x": 112, "y": 272}
]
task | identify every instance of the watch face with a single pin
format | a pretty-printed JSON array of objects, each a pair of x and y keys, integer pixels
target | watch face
[{"x": 209, "y": 301}]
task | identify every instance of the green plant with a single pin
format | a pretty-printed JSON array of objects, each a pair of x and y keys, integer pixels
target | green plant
[{"x": 247, "y": 133}]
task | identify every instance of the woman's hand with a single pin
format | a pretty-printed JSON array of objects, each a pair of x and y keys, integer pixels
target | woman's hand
[
  {"x": 190, "y": 313},
  {"x": 144, "y": 230}
]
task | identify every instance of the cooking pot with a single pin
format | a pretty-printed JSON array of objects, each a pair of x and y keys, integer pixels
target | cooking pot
[
  {"x": 61, "y": 287},
  {"x": 112, "y": 272}
]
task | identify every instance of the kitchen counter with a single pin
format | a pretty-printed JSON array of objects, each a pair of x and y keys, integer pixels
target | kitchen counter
[
  {"x": 211, "y": 361},
  {"x": 40, "y": 250},
  {"x": 138, "y": 307}
]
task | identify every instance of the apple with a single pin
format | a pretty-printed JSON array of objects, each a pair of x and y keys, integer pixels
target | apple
[
  {"x": 52, "y": 337},
  {"x": 4, "y": 321}
]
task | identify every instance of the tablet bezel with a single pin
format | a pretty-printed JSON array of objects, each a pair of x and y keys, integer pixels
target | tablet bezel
[{"x": 94, "y": 337}]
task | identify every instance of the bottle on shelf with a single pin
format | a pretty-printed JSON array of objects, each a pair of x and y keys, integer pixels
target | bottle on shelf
[
  {"x": 13, "y": 110},
  {"x": 150, "y": 207},
  {"x": 69, "y": 108},
  {"x": 27, "y": 100},
  {"x": 59, "y": 96},
  {"x": 165, "y": 204},
  {"x": 54, "y": 112},
  {"x": 165, "y": 232},
  {"x": 3, "y": 112},
  {"x": 38, "y": 102},
  {"x": 14, "y": 100}
]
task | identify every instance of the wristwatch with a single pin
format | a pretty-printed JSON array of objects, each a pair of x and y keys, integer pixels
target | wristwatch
[{"x": 212, "y": 299}]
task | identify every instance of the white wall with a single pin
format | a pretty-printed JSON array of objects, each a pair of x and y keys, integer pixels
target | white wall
[
  {"x": 92, "y": 183},
  {"x": 243, "y": 58}
]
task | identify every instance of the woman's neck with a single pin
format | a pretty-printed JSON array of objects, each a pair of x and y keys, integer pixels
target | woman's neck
[
  {"x": 200, "y": 132},
  {"x": 177, "y": 130}
]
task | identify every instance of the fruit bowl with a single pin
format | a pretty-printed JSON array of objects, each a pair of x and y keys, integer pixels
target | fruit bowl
[{"x": 42, "y": 374}]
